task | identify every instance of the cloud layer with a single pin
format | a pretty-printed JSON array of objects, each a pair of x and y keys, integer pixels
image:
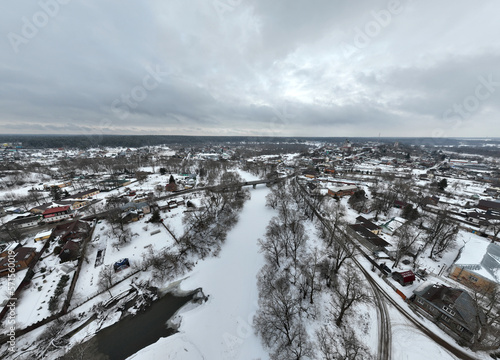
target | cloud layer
[{"x": 251, "y": 67}]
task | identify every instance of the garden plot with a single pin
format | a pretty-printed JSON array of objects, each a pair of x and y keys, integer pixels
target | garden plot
[{"x": 33, "y": 303}]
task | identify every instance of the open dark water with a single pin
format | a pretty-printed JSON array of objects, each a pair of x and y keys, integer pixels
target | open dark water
[{"x": 131, "y": 334}]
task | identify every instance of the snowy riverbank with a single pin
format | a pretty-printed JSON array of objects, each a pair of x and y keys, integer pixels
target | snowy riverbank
[{"x": 221, "y": 328}]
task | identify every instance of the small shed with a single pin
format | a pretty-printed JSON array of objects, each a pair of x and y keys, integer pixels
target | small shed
[
  {"x": 130, "y": 216},
  {"x": 43, "y": 235},
  {"x": 404, "y": 277}
]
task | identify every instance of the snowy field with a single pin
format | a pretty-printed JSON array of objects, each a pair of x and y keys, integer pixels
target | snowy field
[{"x": 409, "y": 343}]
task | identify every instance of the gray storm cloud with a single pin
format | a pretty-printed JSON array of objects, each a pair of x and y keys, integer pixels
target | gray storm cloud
[{"x": 255, "y": 67}]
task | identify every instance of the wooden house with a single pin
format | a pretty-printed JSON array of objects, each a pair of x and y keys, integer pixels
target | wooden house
[
  {"x": 23, "y": 256},
  {"x": 478, "y": 266},
  {"x": 452, "y": 309}
]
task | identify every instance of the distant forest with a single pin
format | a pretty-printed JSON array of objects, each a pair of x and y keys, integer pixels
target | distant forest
[{"x": 86, "y": 141}]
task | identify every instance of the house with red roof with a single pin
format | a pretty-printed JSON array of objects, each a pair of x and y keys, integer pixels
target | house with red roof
[
  {"x": 57, "y": 214},
  {"x": 404, "y": 277}
]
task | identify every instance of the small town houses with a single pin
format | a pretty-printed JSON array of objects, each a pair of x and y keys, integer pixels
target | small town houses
[
  {"x": 22, "y": 258},
  {"x": 57, "y": 214},
  {"x": 478, "y": 265},
  {"x": 22, "y": 222},
  {"x": 85, "y": 194},
  {"x": 337, "y": 173},
  {"x": 341, "y": 191},
  {"x": 367, "y": 238},
  {"x": 73, "y": 204},
  {"x": 70, "y": 236},
  {"x": 43, "y": 235},
  {"x": 77, "y": 229}
]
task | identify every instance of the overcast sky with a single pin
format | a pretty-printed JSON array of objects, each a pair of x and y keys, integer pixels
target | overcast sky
[{"x": 251, "y": 67}]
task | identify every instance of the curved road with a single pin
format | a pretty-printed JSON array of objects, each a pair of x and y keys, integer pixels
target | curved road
[
  {"x": 384, "y": 330},
  {"x": 385, "y": 333},
  {"x": 461, "y": 354}
]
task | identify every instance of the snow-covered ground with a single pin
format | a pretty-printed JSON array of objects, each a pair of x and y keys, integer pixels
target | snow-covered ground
[
  {"x": 409, "y": 343},
  {"x": 32, "y": 304},
  {"x": 222, "y": 327}
]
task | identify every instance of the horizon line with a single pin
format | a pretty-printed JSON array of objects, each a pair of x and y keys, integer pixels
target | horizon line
[{"x": 266, "y": 136}]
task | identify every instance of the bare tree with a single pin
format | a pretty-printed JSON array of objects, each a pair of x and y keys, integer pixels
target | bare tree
[
  {"x": 336, "y": 216},
  {"x": 271, "y": 246},
  {"x": 341, "y": 345},
  {"x": 83, "y": 350},
  {"x": 10, "y": 231},
  {"x": 272, "y": 199},
  {"x": 52, "y": 331},
  {"x": 52, "y": 337},
  {"x": 487, "y": 318},
  {"x": 494, "y": 226},
  {"x": 403, "y": 188},
  {"x": 122, "y": 236},
  {"x": 25, "y": 202},
  {"x": 348, "y": 292},
  {"x": 286, "y": 238},
  {"x": 165, "y": 264},
  {"x": 309, "y": 269},
  {"x": 410, "y": 213},
  {"x": 383, "y": 200},
  {"x": 338, "y": 249},
  {"x": 206, "y": 228},
  {"x": 278, "y": 319},
  {"x": 441, "y": 235},
  {"x": 406, "y": 238},
  {"x": 297, "y": 239},
  {"x": 106, "y": 279},
  {"x": 358, "y": 200},
  {"x": 280, "y": 199},
  {"x": 35, "y": 197}
]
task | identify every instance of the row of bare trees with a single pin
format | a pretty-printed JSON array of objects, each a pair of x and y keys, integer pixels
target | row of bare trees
[
  {"x": 487, "y": 302},
  {"x": 301, "y": 269},
  {"x": 207, "y": 227}
]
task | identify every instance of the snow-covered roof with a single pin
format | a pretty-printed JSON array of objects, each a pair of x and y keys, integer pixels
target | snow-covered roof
[
  {"x": 473, "y": 251},
  {"x": 394, "y": 224},
  {"x": 399, "y": 219},
  {"x": 43, "y": 234},
  {"x": 481, "y": 257}
]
